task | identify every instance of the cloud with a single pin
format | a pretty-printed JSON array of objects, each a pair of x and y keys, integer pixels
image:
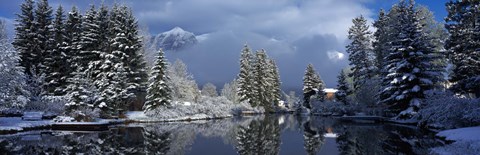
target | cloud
[
  {"x": 335, "y": 56},
  {"x": 294, "y": 32}
]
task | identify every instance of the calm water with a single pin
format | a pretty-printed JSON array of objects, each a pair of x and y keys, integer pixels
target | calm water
[{"x": 285, "y": 134}]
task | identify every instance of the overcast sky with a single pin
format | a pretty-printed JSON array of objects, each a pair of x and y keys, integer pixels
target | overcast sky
[{"x": 293, "y": 32}]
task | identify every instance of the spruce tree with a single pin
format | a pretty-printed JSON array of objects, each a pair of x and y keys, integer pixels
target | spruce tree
[
  {"x": 56, "y": 77},
  {"x": 136, "y": 63},
  {"x": 275, "y": 89},
  {"x": 381, "y": 42},
  {"x": 463, "y": 44},
  {"x": 112, "y": 84},
  {"x": 312, "y": 85},
  {"x": 70, "y": 46},
  {"x": 158, "y": 92},
  {"x": 43, "y": 37},
  {"x": 245, "y": 77},
  {"x": 360, "y": 52},
  {"x": 24, "y": 36},
  {"x": 410, "y": 75},
  {"x": 88, "y": 58},
  {"x": 262, "y": 82},
  {"x": 82, "y": 93},
  {"x": 343, "y": 88}
]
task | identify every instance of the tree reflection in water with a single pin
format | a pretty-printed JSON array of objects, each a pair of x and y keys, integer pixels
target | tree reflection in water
[
  {"x": 261, "y": 136},
  {"x": 247, "y": 135}
]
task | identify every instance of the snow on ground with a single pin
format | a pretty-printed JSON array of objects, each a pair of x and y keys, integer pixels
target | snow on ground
[
  {"x": 17, "y": 124},
  {"x": 467, "y": 141}
]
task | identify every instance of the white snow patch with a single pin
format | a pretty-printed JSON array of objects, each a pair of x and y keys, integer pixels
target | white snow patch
[
  {"x": 467, "y": 141},
  {"x": 17, "y": 124}
]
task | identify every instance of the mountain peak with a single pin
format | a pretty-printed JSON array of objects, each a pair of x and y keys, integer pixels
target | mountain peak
[
  {"x": 174, "y": 39},
  {"x": 176, "y": 30}
]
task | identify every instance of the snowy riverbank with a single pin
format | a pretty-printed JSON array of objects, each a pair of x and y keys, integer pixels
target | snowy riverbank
[
  {"x": 140, "y": 117},
  {"x": 16, "y": 124},
  {"x": 466, "y": 141}
]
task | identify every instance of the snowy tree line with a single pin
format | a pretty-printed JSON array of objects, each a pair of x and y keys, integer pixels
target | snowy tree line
[
  {"x": 95, "y": 59},
  {"x": 258, "y": 80},
  {"x": 405, "y": 60}
]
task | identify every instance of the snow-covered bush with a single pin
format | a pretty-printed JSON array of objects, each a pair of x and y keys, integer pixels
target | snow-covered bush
[
  {"x": 212, "y": 107},
  {"x": 229, "y": 91},
  {"x": 328, "y": 107},
  {"x": 63, "y": 119},
  {"x": 445, "y": 110},
  {"x": 50, "y": 104},
  {"x": 54, "y": 104},
  {"x": 209, "y": 90},
  {"x": 85, "y": 114}
]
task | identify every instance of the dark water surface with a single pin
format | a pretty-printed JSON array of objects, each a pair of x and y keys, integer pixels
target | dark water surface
[{"x": 264, "y": 135}]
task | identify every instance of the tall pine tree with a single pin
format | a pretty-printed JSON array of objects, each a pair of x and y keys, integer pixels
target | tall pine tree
[
  {"x": 158, "y": 92},
  {"x": 43, "y": 37},
  {"x": 88, "y": 58},
  {"x": 275, "y": 89},
  {"x": 137, "y": 74},
  {"x": 262, "y": 81},
  {"x": 410, "y": 75},
  {"x": 381, "y": 42},
  {"x": 24, "y": 36},
  {"x": 343, "y": 88},
  {"x": 463, "y": 45},
  {"x": 56, "y": 61},
  {"x": 245, "y": 77},
  {"x": 312, "y": 86},
  {"x": 70, "y": 46},
  {"x": 360, "y": 52}
]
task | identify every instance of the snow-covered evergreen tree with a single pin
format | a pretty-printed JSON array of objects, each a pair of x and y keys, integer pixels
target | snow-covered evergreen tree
[
  {"x": 24, "y": 36},
  {"x": 158, "y": 92},
  {"x": 463, "y": 45},
  {"x": 103, "y": 19},
  {"x": 56, "y": 62},
  {"x": 343, "y": 88},
  {"x": 125, "y": 39},
  {"x": 88, "y": 58},
  {"x": 81, "y": 92},
  {"x": 70, "y": 46},
  {"x": 275, "y": 89},
  {"x": 245, "y": 77},
  {"x": 410, "y": 75},
  {"x": 360, "y": 52},
  {"x": 381, "y": 42},
  {"x": 112, "y": 84},
  {"x": 320, "y": 85},
  {"x": 262, "y": 82},
  {"x": 312, "y": 85},
  {"x": 209, "y": 90},
  {"x": 136, "y": 63},
  {"x": 43, "y": 38}
]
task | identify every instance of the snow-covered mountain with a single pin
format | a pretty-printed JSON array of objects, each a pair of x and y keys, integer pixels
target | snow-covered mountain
[{"x": 174, "y": 40}]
